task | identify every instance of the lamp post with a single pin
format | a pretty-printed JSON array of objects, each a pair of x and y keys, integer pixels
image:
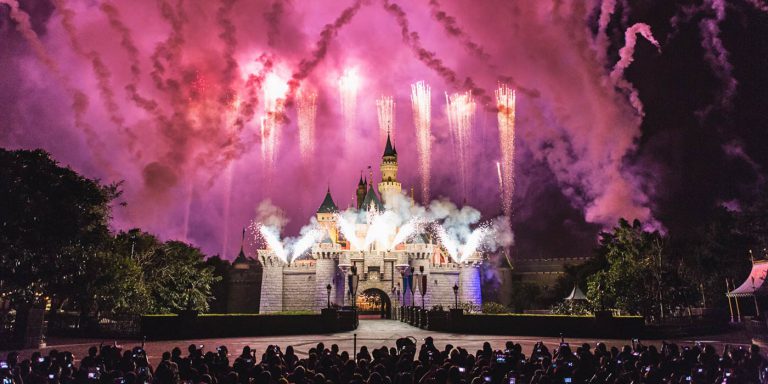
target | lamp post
[
  {"x": 328, "y": 288},
  {"x": 456, "y": 295}
]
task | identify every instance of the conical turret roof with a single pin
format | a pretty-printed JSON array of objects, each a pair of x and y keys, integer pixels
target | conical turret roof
[
  {"x": 389, "y": 149},
  {"x": 328, "y": 206}
]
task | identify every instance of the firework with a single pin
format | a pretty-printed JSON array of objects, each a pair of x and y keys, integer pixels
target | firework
[
  {"x": 505, "y": 101},
  {"x": 421, "y": 101},
  {"x": 274, "y": 101},
  {"x": 271, "y": 236},
  {"x": 349, "y": 83},
  {"x": 386, "y": 109},
  {"x": 306, "y": 105},
  {"x": 456, "y": 250},
  {"x": 348, "y": 230},
  {"x": 501, "y": 179},
  {"x": 460, "y": 108}
]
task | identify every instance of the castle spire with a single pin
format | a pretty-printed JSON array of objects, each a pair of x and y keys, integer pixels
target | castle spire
[
  {"x": 389, "y": 149},
  {"x": 241, "y": 256}
]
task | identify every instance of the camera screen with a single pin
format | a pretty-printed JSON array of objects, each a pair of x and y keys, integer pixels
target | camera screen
[{"x": 3, "y": 364}]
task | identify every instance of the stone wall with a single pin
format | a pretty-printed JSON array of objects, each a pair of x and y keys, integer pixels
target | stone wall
[
  {"x": 272, "y": 285},
  {"x": 299, "y": 288}
]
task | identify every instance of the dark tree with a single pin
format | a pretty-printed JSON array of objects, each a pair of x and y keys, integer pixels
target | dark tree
[{"x": 52, "y": 220}]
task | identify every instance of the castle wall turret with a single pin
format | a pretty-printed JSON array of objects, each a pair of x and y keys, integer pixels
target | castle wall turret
[
  {"x": 325, "y": 271},
  {"x": 469, "y": 284},
  {"x": 272, "y": 283}
]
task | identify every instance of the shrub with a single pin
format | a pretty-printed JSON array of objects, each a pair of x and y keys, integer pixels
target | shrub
[{"x": 494, "y": 308}]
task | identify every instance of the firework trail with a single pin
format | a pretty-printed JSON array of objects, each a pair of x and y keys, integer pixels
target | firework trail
[
  {"x": 79, "y": 99},
  {"x": 228, "y": 37},
  {"x": 385, "y": 106},
  {"x": 100, "y": 71},
  {"x": 430, "y": 59},
  {"x": 625, "y": 59},
  {"x": 759, "y": 5},
  {"x": 24, "y": 27},
  {"x": 460, "y": 108},
  {"x": 607, "y": 8},
  {"x": 306, "y": 66},
  {"x": 453, "y": 29},
  {"x": 306, "y": 106},
  {"x": 349, "y": 84},
  {"x": 421, "y": 102},
  {"x": 273, "y": 17},
  {"x": 505, "y": 102},
  {"x": 716, "y": 54}
]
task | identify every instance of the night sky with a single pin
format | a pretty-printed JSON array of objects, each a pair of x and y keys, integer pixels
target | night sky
[{"x": 165, "y": 95}]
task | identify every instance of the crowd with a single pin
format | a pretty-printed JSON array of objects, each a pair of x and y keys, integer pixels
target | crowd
[{"x": 405, "y": 363}]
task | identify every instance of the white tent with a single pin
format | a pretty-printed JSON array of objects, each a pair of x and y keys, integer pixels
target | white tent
[
  {"x": 754, "y": 285},
  {"x": 576, "y": 294}
]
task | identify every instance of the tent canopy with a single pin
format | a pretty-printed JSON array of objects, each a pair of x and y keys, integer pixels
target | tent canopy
[
  {"x": 576, "y": 294},
  {"x": 754, "y": 285}
]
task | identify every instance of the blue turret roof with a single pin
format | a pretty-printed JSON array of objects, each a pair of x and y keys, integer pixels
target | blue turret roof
[{"x": 328, "y": 206}]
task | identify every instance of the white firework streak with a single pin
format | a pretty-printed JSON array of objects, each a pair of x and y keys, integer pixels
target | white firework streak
[
  {"x": 421, "y": 102},
  {"x": 272, "y": 237},
  {"x": 348, "y": 230},
  {"x": 385, "y": 106},
  {"x": 349, "y": 83},
  {"x": 460, "y": 108},
  {"x": 505, "y": 100},
  {"x": 306, "y": 105}
]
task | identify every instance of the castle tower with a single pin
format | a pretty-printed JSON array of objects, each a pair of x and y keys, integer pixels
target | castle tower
[
  {"x": 389, "y": 184},
  {"x": 326, "y": 216},
  {"x": 361, "y": 189},
  {"x": 244, "y": 280}
]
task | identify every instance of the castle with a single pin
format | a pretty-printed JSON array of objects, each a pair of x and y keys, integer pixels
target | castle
[{"x": 379, "y": 268}]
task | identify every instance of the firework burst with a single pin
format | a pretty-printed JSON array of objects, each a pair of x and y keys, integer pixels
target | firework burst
[
  {"x": 306, "y": 104},
  {"x": 349, "y": 84},
  {"x": 385, "y": 106}
]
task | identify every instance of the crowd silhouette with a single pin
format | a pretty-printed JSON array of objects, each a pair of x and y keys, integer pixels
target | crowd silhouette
[{"x": 407, "y": 362}]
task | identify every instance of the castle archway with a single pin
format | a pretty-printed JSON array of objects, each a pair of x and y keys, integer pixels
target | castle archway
[{"x": 374, "y": 301}]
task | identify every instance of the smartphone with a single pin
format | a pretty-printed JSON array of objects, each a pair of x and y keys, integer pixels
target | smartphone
[
  {"x": 7, "y": 380},
  {"x": 512, "y": 380},
  {"x": 688, "y": 378},
  {"x": 570, "y": 363},
  {"x": 51, "y": 376},
  {"x": 3, "y": 364},
  {"x": 647, "y": 369},
  {"x": 501, "y": 359},
  {"x": 487, "y": 379},
  {"x": 462, "y": 369},
  {"x": 40, "y": 359},
  {"x": 567, "y": 380}
]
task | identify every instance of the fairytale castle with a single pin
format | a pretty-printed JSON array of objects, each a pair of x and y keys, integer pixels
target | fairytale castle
[{"x": 381, "y": 268}]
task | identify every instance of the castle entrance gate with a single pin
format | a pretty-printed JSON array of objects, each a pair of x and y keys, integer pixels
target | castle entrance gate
[{"x": 374, "y": 301}]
